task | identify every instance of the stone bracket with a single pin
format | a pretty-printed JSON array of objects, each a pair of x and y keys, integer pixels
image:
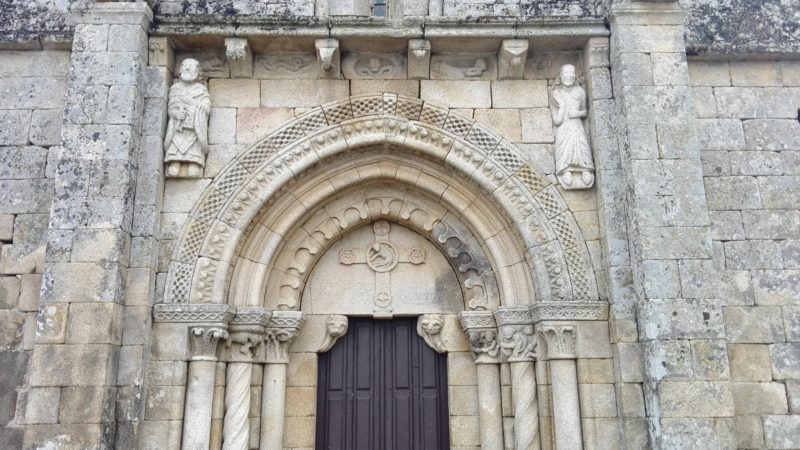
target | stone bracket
[
  {"x": 161, "y": 52},
  {"x": 240, "y": 57},
  {"x": 329, "y": 58},
  {"x": 429, "y": 328},
  {"x": 511, "y": 59},
  {"x": 335, "y": 328},
  {"x": 419, "y": 59}
]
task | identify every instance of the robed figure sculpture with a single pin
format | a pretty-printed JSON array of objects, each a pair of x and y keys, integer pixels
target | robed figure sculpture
[
  {"x": 186, "y": 143},
  {"x": 573, "y": 155}
]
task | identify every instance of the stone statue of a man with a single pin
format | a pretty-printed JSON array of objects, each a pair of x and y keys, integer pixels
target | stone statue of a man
[
  {"x": 186, "y": 143},
  {"x": 573, "y": 156}
]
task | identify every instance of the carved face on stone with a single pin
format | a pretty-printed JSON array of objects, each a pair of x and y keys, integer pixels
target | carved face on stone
[
  {"x": 432, "y": 324},
  {"x": 190, "y": 70},
  {"x": 567, "y": 75},
  {"x": 337, "y": 326}
]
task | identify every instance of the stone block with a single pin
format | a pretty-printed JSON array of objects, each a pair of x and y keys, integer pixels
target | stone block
[
  {"x": 709, "y": 73},
  {"x": 597, "y": 400},
  {"x": 754, "y": 325},
  {"x": 759, "y": 398},
  {"x": 222, "y": 126},
  {"x": 73, "y": 365},
  {"x": 166, "y": 373},
  {"x": 234, "y": 93},
  {"x": 721, "y": 134},
  {"x": 302, "y": 370},
  {"x": 32, "y": 93},
  {"x": 11, "y": 323},
  {"x": 301, "y": 401},
  {"x": 299, "y": 432},
  {"x": 667, "y": 360},
  {"x": 8, "y": 405},
  {"x": 15, "y": 367},
  {"x": 754, "y": 254},
  {"x": 710, "y": 359},
  {"x": 631, "y": 400},
  {"x": 87, "y": 404},
  {"x": 46, "y": 127},
  {"x": 678, "y": 142},
  {"x": 684, "y": 433},
  {"x": 51, "y": 323},
  {"x": 130, "y": 371},
  {"x": 793, "y": 396},
  {"x": 519, "y": 94},
  {"x": 732, "y": 193},
  {"x": 681, "y": 319},
  {"x": 505, "y": 122},
  {"x": 9, "y": 291},
  {"x": 670, "y": 69},
  {"x": 756, "y": 163},
  {"x": 91, "y": 244},
  {"x": 771, "y": 224},
  {"x": 254, "y": 124},
  {"x": 457, "y": 93},
  {"x": 658, "y": 279},
  {"x": 705, "y": 105},
  {"x": 164, "y": 403},
  {"x": 791, "y": 320},
  {"x": 127, "y": 38},
  {"x": 463, "y": 400},
  {"x": 688, "y": 242},
  {"x": 157, "y": 82},
  {"x": 771, "y": 134},
  {"x": 464, "y": 431},
  {"x": 656, "y": 104},
  {"x": 537, "y": 126},
  {"x": 42, "y": 405},
  {"x": 630, "y": 362},
  {"x": 181, "y": 195},
  {"x": 780, "y": 432},
  {"x": 593, "y": 340},
  {"x": 749, "y": 431},
  {"x": 461, "y": 369},
  {"x": 68, "y": 436},
  {"x": 47, "y": 63},
  {"x": 754, "y": 73},
  {"x": 106, "y": 68},
  {"x": 83, "y": 282},
  {"x": 776, "y": 287},
  {"x": 699, "y": 279},
  {"x": 409, "y": 88},
  {"x": 158, "y": 435},
  {"x": 170, "y": 341},
  {"x": 757, "y": 103},
  {"x": 696, "y": 399},
  {"x": 16, "y": 126},
  {"x": 785, "y": 361},
  {"x": 301, "y": 93},
  {"x": 780, "y": 192}
]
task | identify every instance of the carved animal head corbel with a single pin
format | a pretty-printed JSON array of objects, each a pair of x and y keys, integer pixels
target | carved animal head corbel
[
  {"x": 335, "y": 328},
  {"x": 429, "y": 328}
]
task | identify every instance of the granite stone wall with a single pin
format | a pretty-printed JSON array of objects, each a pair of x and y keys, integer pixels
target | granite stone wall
[{"x": 747, "y": 117}]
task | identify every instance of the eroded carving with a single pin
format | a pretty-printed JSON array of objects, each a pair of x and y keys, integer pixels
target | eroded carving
[
  {"x": 419, "y": 59},
  {"x": 511, "y": 59},
  {"x": 335, "y": 328},
  {"x": 329, "y": 58},
  {"x": 240, "y": 57},
  {"x": 374, "y": 66},
  {"x": 479, "y": 326},
  {"x": 203, "y": 342},
  {"x": 429, "y": 328},
  {"x": 246, "y": 332},
  {"x": 517, "y": 337},
  {"x": 285, "y": 65},
  {"x": 456, "y": 67},
  {"x": 574, "y": 165},
  {"x": 186, "y": 141},
  {"x": 281, "y": 332}
]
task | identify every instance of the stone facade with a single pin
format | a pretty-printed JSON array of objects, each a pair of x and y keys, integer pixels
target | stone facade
[{"x": 411, "y": 165}]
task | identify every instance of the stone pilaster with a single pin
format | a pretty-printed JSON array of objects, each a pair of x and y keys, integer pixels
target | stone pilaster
[
  {"x": 91, "y": 222},
  {"x": 481, "y": 331},
  {"x": 667, "y": 223}
]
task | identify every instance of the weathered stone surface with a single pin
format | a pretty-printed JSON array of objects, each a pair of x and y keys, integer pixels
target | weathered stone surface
[
  {"x": 72, "y": 365},
  {"x": 785, "y": 361},
  {"x": 781, "y": 431},
  {"x": 696, "y": 399},
  {"x": 301, "y": 93},
  {"x": 750, "y": 362},
  {"x": 519, "y": 94},
  {"x": 759, "y": 398},
  {"x": 776, "y": 287},
  {"x": 457, "y": 93}
]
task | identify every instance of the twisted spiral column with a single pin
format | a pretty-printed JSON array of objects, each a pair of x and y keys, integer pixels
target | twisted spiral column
[
  {"x": 526, "y": 413},
  {"x": 236, "y": 428}
]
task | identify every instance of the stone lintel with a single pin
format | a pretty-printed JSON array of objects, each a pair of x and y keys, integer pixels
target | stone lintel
[{"x": 128, "y": 13}]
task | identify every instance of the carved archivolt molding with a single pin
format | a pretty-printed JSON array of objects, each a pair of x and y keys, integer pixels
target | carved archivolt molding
[{"x": 205, "y": 253}]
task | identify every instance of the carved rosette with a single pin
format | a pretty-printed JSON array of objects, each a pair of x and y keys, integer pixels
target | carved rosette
[
  {"x": 429, "y": 328},
  {"x": 560, "y": 340},
  {"x": 281, "y": 331},
  {"x": 335, "y": 328},
  {"x": 517, "y": 338},
  {"x": 203, "y": 342},
  {"x": 481, "y": 331},
  {"x": 247, "y": 331}
]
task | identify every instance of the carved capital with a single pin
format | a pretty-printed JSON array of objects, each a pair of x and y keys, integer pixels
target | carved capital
[
  {"x": 203, "y": 342},
  {"x": 429, "y": 328},
  {"x": 479, "y": 326},
  {"x": 560, "y": 340},
  {"x": 281, "y": 332},
  {"x": 335, "y": 328},
  {"x": 517, "y": 338},
  {"x": 247, "y": 331}
]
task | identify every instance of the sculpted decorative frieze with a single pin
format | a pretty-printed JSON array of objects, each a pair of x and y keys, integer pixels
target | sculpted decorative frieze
[
  {"x": 429, "y": 328},
  {"x": 213, "y": 313},
  {"x": 481, "y": 331},
  {"x": 569, "y": 311},
  {"x": 285, "y": 65},
  {"x": 335, "y": 328},
  {"x": 281, "y": 332},
  {"x": 374, "y": 66},
  {"x": 463, "y": 67}
]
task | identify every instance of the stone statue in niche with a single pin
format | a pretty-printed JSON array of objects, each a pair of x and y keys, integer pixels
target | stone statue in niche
[
  {"x": 186, "y": 143},
  {"x": 573, "y": 155},
  {"x": 429, "y": 328}
]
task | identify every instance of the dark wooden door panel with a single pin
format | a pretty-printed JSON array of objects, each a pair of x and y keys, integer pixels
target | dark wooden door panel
[{"x": 382, "y": 388}]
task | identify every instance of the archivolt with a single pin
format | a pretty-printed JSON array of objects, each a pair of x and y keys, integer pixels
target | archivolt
[{"x": 205, "y": 254}]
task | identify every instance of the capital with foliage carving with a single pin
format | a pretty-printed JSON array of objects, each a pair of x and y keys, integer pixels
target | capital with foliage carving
[
  {"x": 481, "y": 331},
  {"x": 517, "y": 338},
  {"x": 560, "y": 340},
  {"x": 247, "y": 330},
  {"x": 203, "y": 342},
  {"x": 281, "y": 332}
]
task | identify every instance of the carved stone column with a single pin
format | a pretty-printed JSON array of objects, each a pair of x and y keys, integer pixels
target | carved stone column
[
  {"x": 207, "y": 325},
  {"x": 560, "y": 340},
  {"x": 519, "y": 344},
  {"x": 481, "y": 332},
  {"x": 282, "y": 330},
  {"x": 246, "y": 340}
]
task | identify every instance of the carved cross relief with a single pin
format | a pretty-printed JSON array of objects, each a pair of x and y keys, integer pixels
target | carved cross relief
[{"x": 382, "y": 257}]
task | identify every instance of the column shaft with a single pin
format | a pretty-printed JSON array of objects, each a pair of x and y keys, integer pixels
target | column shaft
[
  {"x": 236, "y": 428},
  {"x": 526, "y": 414},
  {"x": 566, "y": 407},
  {"x": 491, "y": 411},
  {"x": 199, "y": 404},
  {"x": 273, "y": 403}
]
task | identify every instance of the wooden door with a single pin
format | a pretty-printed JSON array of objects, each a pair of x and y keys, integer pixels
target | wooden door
[{"x": 382, "y": 388}]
